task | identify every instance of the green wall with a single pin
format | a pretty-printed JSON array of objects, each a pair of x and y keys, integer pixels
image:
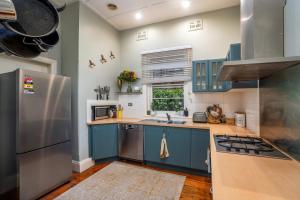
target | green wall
[
  {"x": 85, "y": 36},
  {"x": 70, "y": 52}
]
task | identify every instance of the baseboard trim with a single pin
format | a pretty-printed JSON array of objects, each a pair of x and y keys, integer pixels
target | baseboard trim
[{"x": 80, "y": 166}]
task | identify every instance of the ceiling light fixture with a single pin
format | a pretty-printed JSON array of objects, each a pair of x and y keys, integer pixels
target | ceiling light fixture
[
  {"x": 186, "y": 4},
  {"x": 112, "y": 6},
  {"x": 138, "y": 16}
]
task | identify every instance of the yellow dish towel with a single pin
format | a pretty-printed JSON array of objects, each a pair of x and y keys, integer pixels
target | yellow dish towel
[{"x": 164, "y": 153}]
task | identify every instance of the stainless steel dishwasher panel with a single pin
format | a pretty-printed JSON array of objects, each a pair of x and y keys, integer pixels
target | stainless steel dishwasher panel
[{"x": 131, "y": 142}]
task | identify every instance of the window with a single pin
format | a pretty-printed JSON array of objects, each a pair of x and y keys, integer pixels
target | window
[{"x": 168, "y": 97}]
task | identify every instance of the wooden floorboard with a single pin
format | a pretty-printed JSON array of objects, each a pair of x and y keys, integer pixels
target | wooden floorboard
[{"x": 195, "y": 187}]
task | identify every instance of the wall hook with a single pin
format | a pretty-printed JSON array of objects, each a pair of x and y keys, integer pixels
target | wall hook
[
  {"x": 92, "y": 64},
  {"x": 112, "y": 56},
  {"x": 103, "y": 60}
]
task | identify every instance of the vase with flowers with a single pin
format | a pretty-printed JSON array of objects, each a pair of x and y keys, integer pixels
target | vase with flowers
[{"x": 130, "y": 77}]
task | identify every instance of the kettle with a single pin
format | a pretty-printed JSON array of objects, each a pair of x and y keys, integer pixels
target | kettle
[{"x": 7, "y": 10}]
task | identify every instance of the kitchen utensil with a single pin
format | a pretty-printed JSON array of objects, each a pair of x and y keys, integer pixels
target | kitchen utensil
[
  {"x": 107, "y": 91},
  {"x": 36, "y": 18},
  {"x": 7, "y": 10},
  {"x": 12, "y": 43}
]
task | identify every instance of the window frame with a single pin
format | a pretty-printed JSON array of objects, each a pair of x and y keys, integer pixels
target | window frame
[{"x": 166, "y": 85}]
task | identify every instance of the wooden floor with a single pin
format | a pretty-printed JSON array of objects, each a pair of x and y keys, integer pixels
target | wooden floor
[{"x": 195, "y": 187}]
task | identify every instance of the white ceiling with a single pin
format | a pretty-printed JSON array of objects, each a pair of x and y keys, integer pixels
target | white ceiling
[{"x": 152, "y": 10}]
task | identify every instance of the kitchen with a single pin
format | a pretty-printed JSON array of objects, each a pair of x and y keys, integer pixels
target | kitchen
[{"x": 156, "y": 90}]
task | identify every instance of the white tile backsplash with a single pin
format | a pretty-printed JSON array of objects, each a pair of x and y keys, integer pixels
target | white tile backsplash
[{"x": 251, "y": 108}]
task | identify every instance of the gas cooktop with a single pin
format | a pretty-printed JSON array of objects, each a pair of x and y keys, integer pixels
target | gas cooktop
[{"x": 252, "y": 146}]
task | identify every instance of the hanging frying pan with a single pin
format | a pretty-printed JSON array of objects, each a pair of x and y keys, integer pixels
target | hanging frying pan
[
  {"x": 35, "y": 18},
  {"x": 12, "y": 43},
  {"x": 43, "y": 43}
]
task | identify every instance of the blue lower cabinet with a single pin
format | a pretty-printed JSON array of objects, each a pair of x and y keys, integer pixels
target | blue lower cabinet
[
  {"x": 200, "y": 140},
  {"x": 179, "y": 140},
  {"x": 152, "y": 141},
  {"x": 103, "y": 141}
]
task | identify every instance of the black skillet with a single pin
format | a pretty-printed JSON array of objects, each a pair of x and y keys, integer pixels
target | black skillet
[
  {"x": 43, "y": 43},
  {"x": 35, "y": 18},
  {"x": 12, "y": 43}
]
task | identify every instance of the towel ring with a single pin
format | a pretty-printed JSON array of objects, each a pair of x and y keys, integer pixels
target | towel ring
[{"x": 164, "y": 135}]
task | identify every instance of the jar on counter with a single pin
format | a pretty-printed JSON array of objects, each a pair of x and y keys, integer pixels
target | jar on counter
[{"x": 240, "y": 119}]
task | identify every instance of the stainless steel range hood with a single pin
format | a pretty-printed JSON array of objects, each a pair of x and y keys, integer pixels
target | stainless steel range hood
[
  {"x": 262, "y": 42},
  {"x": 256, "y": 69}
]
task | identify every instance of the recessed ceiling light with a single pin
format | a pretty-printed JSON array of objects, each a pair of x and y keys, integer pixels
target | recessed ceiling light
[
  {"x": 112, "y": 6},
  {"x": 185, "y": 4},
  {"x": 138, "y": 16}
]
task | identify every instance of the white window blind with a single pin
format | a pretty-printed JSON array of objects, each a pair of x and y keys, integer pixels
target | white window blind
[{"x": 169, "y": 65}]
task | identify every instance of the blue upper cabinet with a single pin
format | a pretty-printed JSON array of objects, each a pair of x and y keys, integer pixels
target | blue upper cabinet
[
  {"x": 234, "y": 54},
  {"x": 215, "y": 85},
  {"x": 205, "y": 76},
  {"x": 200, "y": 76}
]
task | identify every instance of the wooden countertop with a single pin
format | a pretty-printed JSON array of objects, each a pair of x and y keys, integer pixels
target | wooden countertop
[{"x": 241, "y": 177}]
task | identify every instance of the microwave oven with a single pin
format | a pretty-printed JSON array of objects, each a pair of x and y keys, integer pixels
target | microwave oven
[{"x": 102, "y": 112}]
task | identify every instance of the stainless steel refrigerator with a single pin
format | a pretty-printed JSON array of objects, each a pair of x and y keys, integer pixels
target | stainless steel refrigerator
[{"x": 35, "y": 132}]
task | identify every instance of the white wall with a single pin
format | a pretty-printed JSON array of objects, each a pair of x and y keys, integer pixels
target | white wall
[
  {"x": 11, "y": 63},
  {"x": 292, "y": 28},
  {"x": 96, "y": 37},
  {"x": 69, "y": 51},
  {"x": 85, "y": 36}
]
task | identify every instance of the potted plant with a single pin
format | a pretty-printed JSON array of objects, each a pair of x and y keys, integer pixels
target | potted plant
[{"x": 130, "y": 77}]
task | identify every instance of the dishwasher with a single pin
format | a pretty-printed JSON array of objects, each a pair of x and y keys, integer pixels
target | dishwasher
[{"x": 131, "y": 142}]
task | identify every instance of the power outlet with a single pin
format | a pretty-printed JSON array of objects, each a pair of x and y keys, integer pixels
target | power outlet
[{"x": 130, "y": 104}]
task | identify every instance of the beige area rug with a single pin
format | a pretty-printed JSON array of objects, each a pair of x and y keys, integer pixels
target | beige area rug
[{"x": 120, "y": 181}]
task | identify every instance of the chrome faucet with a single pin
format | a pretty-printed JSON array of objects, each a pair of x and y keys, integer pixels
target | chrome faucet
[{"x": 169, "y": 118}]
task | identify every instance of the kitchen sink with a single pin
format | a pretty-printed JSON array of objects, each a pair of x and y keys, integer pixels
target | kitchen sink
[{"x": 163, "y": 121}]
